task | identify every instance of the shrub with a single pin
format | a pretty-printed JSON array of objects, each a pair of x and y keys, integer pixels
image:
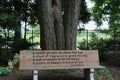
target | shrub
[
  {"x": 10, "y": 67},
  {"x": 12, "y": 63},
  {"x": 82, "y": 45},
  {"x": 103, "y": 53},
  {"x": 4, "y": 71},
  {"x": 103, "y": 73},
  {"x": 21, "y": 45},
  {"x": 96, "y": 44}
]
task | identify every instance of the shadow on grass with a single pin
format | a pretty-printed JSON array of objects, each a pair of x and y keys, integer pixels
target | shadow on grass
[{"x": 53, "y": 77}]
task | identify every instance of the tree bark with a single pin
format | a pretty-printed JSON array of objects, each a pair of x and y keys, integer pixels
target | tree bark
[
  {"x": 57, "y": 32},
  {"x": 25, "y": 30},
  {"x": 58, "y": 24},
  {"x": 18, "y": 32},
  {"x": 46, "y": 20},
  {"x": 71, "y": 15}
]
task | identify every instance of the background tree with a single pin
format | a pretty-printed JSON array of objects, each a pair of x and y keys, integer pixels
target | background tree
[
  {"x": 107, "y": 10},
  {"x": 12, "y": 13},
  {"x": 58, "y": 20}
]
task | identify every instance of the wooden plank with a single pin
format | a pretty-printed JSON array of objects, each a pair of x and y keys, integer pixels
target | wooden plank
[{"x": 58, "y": 59}]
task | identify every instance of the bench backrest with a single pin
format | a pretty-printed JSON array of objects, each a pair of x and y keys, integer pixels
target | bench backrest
[{"x": 58, "y": 59}]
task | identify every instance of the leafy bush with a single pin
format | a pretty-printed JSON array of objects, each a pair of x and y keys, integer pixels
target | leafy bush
[
  {"x": 21, "y": 45},
  {"x": 16, "y": 59},
  {"x": 103, "y": 73},
  {"x": 10, "y": 67},
  {"x": 12, "y": 63},
  {"x": 103, "y": 53},
  {"x": 82, "y": 45},
  {"x": 96, "y": 44},
  {"x": 4, "y": 71}
]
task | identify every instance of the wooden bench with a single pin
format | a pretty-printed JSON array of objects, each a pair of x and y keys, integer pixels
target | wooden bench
[{"x": 60, "y": 59}]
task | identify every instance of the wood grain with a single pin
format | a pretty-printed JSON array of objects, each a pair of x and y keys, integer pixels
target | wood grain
[{"x": 58, "y": 59}]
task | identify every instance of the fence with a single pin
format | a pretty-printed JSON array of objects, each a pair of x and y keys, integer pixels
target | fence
[
  {"x": 109, "y": 37},
  {"x": 7, "y": 38},
  {"x": 9, "y": 46},
  {"x": 33, "y": 36}
]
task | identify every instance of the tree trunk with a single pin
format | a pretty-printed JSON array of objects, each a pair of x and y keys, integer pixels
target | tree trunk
[
  {"x": 25, "y": 30},
  {"x": 70, "y": 23},
  {"x": 58, "y": 24},
  {"x": 46, "y": 20},
  {"x": 58, "y": 32},
  {"x": 17, "y": 33}
]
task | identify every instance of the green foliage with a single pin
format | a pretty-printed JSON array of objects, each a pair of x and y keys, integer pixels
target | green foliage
[
  {"x": 10, "y": 67},
  {"x": 4, "y": 71},
  {"x": 103, "y": 53},
  {"x": 103, "y": 72},
  {"x": 12, "y": 63},
  {"x": 101, "y": 47},
  {"x": 21, "y": 45},
  {"x": 96, "y": 43},
  {"x": 82, "y": 45},
  {"x": 2, "y": 41},
  {"x": 11, "y": 15},
  {"x": 62, "y": 71},
  {"x": 16, "y": 59},
  {"x": 107, "y": 10},
  {"x": 84, "y": 13}
]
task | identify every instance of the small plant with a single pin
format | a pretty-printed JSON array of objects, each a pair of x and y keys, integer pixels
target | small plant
[
  {"x": 96, "y": 43},
  {"x": 12, "y": 63},
  {"x": 16, "y": 59},
  {"x": 103, "y": 72},
  {"x": 10, "y": 67},
  {"x": 4, "y": 71}
]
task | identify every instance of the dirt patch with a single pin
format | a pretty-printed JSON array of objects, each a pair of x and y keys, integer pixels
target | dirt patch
[
  {"x": 54, "y": 77},
  {"x": 115, "y": 71},
  {"x": 27, "y": 75}
]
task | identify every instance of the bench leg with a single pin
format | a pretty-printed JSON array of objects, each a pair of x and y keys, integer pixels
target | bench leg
[
  {"x": 35, "y": 75},
  {"x": 92, "y": 74},
  {"x": 89, "y": 74},
  {"x": 86, "y": 74}
]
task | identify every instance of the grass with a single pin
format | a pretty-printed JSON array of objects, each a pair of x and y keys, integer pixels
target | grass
[
  {"x": 103, "y": 73},
  {"x": 62, "y": 71}
]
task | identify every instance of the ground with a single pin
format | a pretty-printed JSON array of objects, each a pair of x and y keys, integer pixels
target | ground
[{"x": 73, "y": 75}]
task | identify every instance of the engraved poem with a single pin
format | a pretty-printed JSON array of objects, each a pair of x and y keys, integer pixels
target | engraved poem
[{"x": 57, "y": 59}]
